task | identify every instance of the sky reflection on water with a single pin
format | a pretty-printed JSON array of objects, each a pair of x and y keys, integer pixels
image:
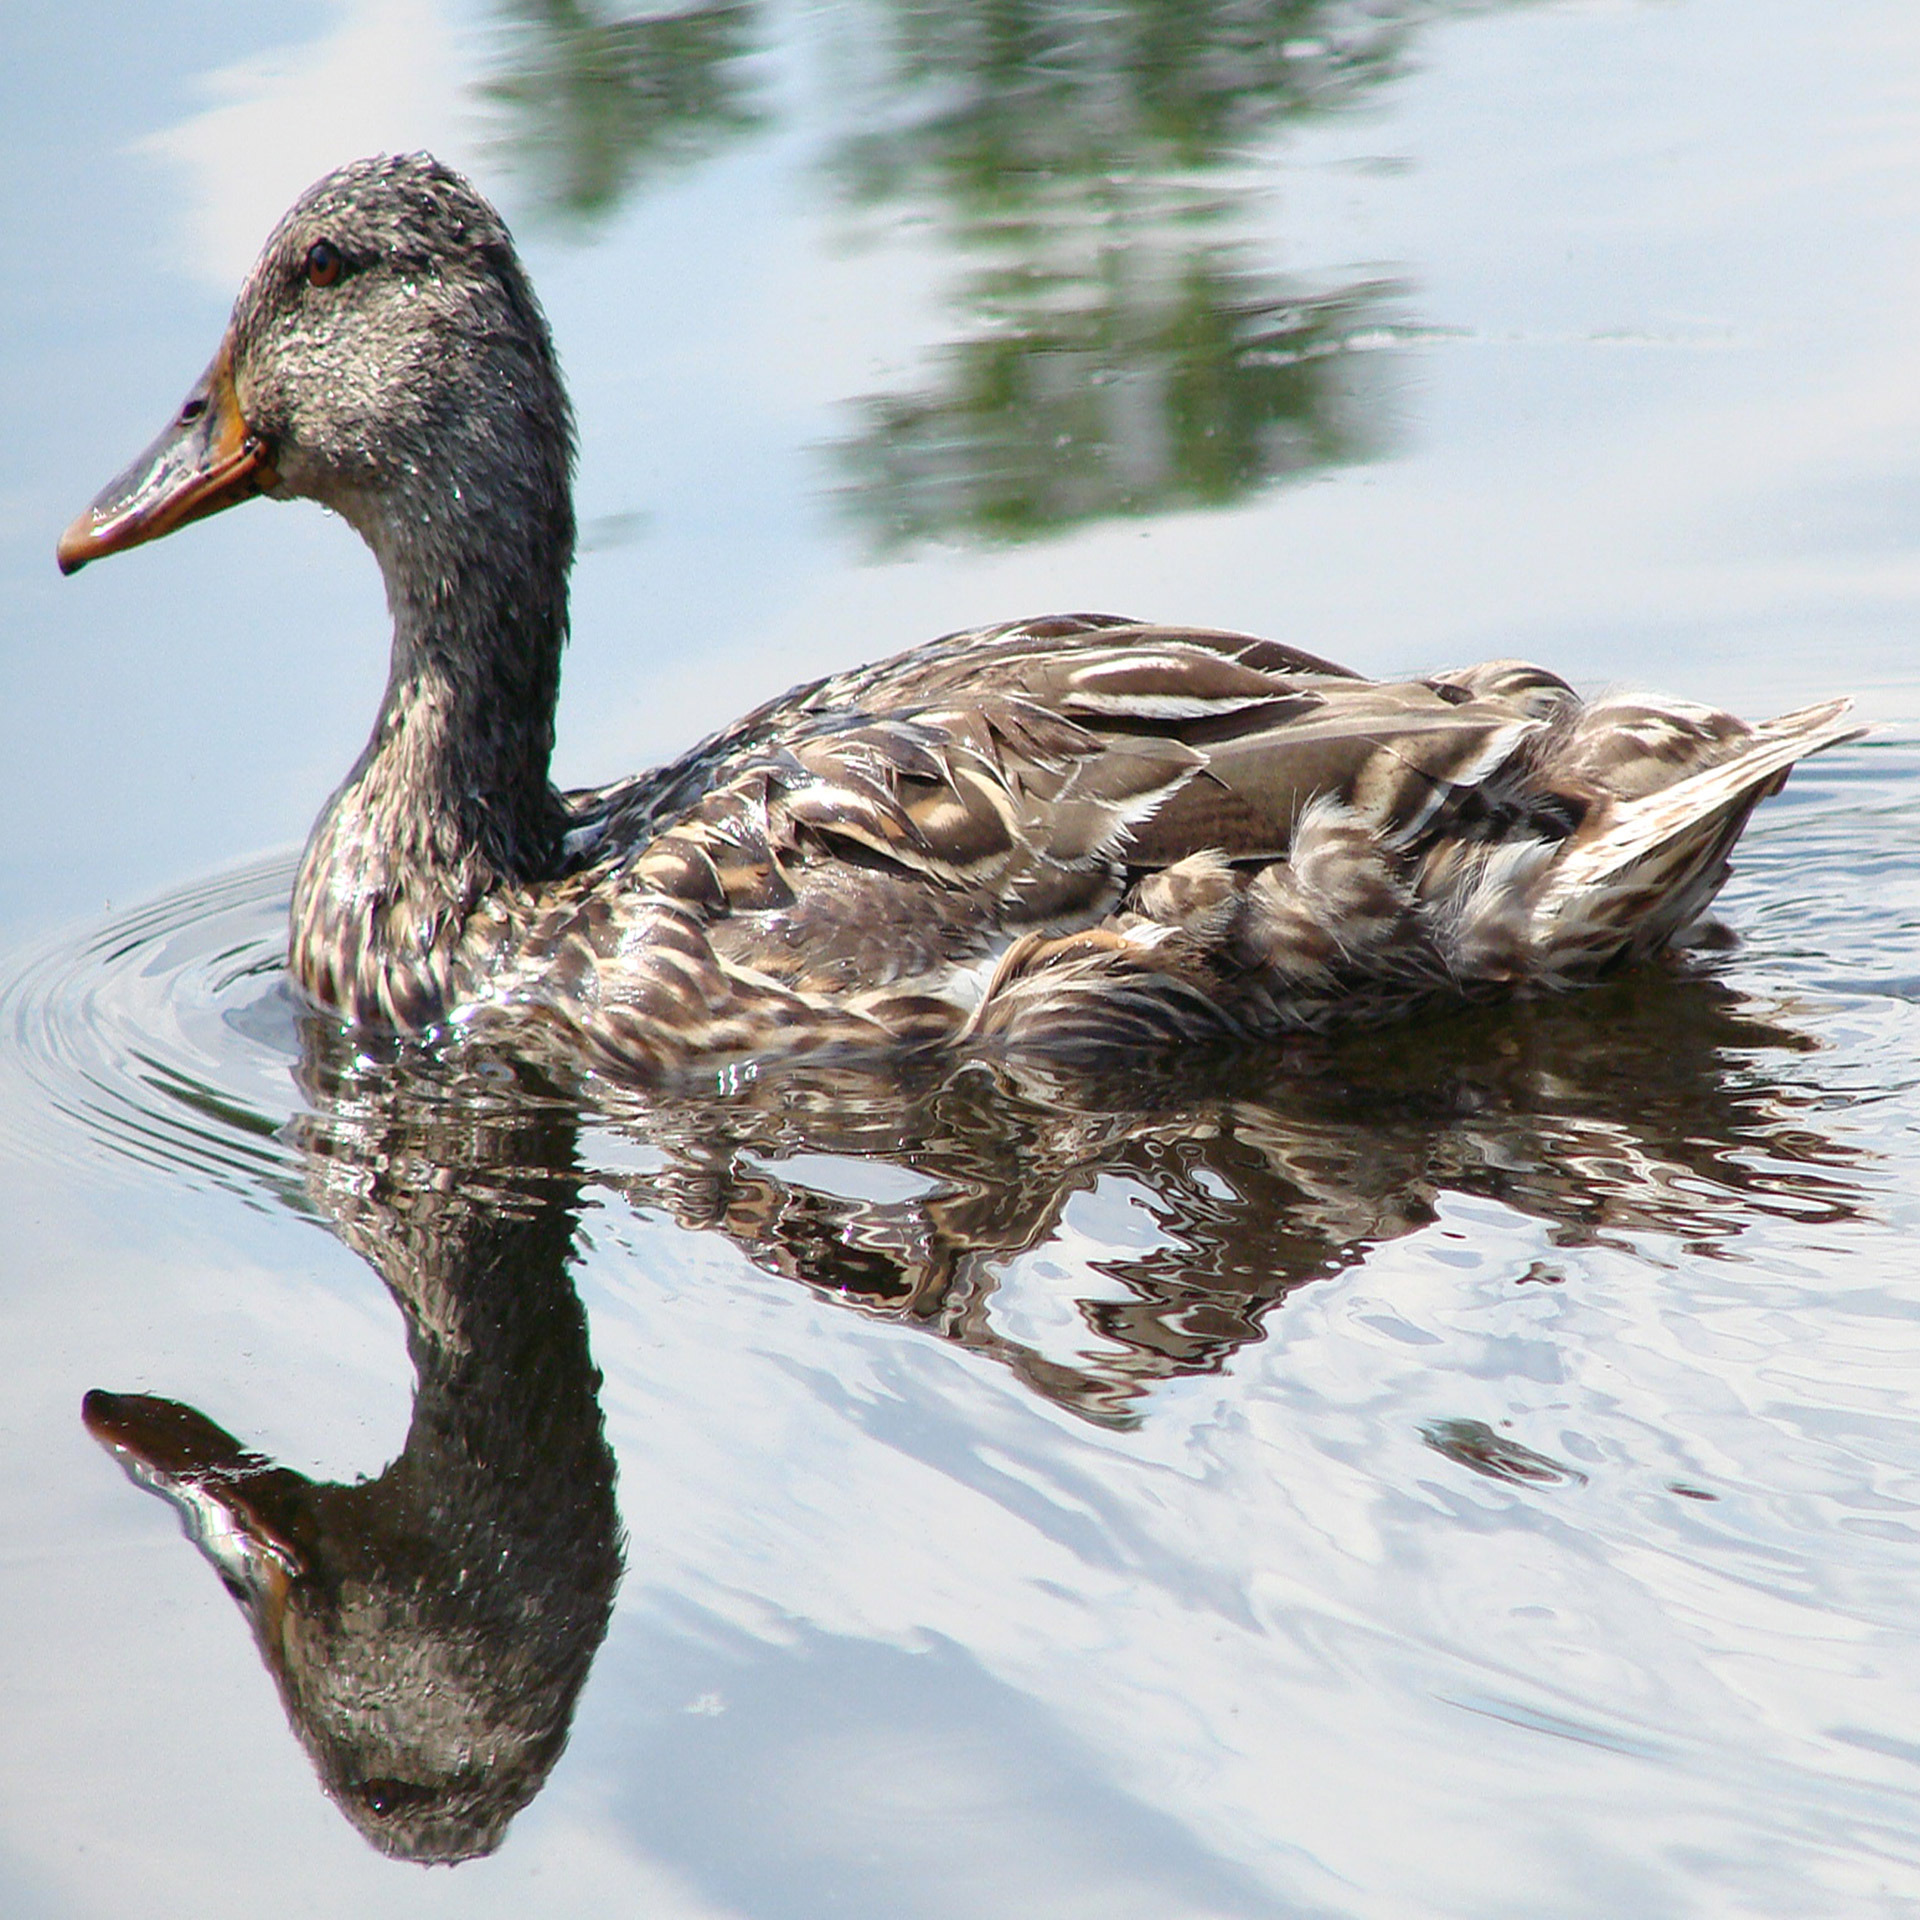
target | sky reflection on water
[{"x": 1466, "y": 1471}]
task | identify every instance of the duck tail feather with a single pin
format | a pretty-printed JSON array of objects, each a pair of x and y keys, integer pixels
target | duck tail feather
[{"x": 1658, "y": 860}]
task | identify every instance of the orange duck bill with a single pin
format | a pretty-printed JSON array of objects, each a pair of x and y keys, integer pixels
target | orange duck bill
[
  {"x": 250, "y": 1517},
  {"x": 207, "y": 459}
]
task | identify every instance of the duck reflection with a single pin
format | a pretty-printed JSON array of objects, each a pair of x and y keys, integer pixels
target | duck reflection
[
  {"x": 1635, "y": 1108},
  {"x": 430, "y": 1629}
]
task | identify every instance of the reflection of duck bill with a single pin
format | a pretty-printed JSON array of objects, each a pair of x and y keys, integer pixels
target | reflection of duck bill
[{"x": 247, "y": 1515}]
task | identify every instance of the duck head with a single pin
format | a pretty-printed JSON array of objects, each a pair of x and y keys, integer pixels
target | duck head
[{"x": 386, "y": 357}]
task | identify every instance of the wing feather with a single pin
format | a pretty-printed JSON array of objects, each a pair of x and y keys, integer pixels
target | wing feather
[{"x": 1085, "y": 832}]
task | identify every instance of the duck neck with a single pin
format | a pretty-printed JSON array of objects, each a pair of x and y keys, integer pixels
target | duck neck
[{"x": 450, "y": 801}]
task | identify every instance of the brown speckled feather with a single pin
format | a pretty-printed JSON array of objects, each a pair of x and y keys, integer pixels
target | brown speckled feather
[{"x": 1132, "y": 836}]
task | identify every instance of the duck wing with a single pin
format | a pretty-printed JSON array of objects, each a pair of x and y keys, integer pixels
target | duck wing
[{"x": 1085, "y": 832}]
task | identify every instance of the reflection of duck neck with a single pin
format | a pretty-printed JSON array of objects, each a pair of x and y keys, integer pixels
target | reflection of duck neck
[
  {"x": 471, "y": 1226},
  {"x": 429, "y": 1629}
]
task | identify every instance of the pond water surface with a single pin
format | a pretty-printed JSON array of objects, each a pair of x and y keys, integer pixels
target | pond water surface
[{"x": 1471, "y": 1469}]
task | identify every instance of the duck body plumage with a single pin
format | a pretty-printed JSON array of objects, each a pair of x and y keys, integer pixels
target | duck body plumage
[
  {"x": 1082, "y": 835},
  {"x": 1077, "y": 835}
]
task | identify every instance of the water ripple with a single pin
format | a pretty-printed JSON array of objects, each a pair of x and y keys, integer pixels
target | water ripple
[{"x": 164, "y": 1037}]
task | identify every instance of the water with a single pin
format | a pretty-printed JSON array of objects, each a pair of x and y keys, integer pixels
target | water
[{"x": 1465, "y": 1470}]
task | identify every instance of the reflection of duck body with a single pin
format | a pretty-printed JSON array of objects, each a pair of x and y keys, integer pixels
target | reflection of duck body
[
  {"x": 1070, "y": 836},
  {"x": 1632, "y": 1110}
]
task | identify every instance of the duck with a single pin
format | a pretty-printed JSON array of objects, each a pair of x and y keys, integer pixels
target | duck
[{"x": 1077, "y": 836}]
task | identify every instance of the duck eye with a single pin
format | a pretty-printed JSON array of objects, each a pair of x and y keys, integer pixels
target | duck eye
[{"x": 324, "y": 264}]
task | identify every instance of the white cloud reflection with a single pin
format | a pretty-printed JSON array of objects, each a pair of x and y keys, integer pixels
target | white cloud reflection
[{"x": 389, "y": 76}]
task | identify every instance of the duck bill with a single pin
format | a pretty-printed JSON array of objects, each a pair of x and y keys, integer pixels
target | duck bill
[
  {"x": 248, "y": 1516},
  {"x": 206, "y": 460}
]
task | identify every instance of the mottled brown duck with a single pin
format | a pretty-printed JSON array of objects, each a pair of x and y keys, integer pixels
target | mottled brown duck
[{"x": 1070, "y": 835}]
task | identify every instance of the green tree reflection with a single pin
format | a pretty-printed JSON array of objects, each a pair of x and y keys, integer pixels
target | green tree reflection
[
  {"x": 597, "y": 106},
  {"x": 992, "y": 103},
  {"x": 1123, "y": 342},
  {"x": 1116, "y": 394}
]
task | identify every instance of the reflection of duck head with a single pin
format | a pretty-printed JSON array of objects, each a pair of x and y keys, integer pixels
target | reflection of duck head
[{"x": 429, "y": 1629}]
